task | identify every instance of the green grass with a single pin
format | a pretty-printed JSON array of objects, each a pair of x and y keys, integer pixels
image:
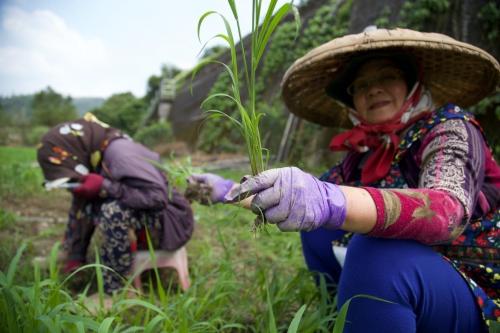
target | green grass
[
  {"x": 19, "y": 172},
  {"x": 264, "y": 23},
  {"x": 241, "y": 282}
]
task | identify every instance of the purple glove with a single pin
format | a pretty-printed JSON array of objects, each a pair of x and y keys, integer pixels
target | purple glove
[
  {"x": 219, "y": 186},
  {"x": 293, "y": 199}
]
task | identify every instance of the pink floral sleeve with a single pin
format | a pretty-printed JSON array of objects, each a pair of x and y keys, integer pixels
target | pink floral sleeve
[{"x": 451, "y": 161}]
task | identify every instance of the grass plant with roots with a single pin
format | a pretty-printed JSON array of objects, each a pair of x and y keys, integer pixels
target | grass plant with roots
[{"x": 262, "y": 30}]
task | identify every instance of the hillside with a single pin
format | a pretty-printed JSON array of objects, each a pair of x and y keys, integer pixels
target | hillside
[{"x": 19, "y": 106}]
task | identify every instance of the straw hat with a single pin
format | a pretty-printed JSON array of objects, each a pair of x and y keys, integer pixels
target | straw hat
[{"x": 454, "y": 72}]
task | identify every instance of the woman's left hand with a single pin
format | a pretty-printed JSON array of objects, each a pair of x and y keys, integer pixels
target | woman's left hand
[
  {"x": 90, "y": 186},
  {"x": 293, "y": 199}
]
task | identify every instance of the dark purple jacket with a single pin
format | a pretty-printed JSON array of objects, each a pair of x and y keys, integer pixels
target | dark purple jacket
[{"x": 131, "y": 178}]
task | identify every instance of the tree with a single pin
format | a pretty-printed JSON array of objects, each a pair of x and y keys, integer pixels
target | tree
[
  {"x": 123, "y": 111},
  {"x": 152, "y": 87},
  {"x": 51, "y": 108},
  {"x": 5, "y": 118},
  {"x": 154, "y": 81}
]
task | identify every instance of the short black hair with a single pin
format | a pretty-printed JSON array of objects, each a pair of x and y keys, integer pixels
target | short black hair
[{"x": 337, "y": 88}]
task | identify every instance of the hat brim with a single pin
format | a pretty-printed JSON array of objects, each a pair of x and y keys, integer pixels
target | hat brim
[{"x": 453, "y": 71}]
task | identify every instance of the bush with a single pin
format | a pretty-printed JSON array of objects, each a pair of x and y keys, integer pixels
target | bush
[
  {"x": 154, "y": 134},
  {"x": 32, "y": 136}
]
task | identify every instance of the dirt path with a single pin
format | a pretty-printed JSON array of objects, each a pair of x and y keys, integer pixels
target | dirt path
[{"x": 40, "y": 220}]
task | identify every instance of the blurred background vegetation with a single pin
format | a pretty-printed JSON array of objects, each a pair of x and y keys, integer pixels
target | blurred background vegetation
[
  {"x": 240, "y": 283},
  {"x": 23, "y": 119}
]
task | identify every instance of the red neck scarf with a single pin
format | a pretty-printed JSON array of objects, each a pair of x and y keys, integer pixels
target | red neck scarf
[{"x": 382, "y": 139}]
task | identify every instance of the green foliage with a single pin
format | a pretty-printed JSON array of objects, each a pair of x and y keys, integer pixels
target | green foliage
[
  {"x": 51, "y": 108},
  {"x": 273, "y": 123},
  {"x": 18, "y": 108},
  {"x": 225, "y": 296},
  {"x": 382, "y": 22},
  {"x": 327, "y": 23},
  {"x": 123, "y": 111},
  {"x": 19, "y": 172},
  {"x": 417, "y": 14},
  {"x": 33, "y": 135},
  {"x": 487, "y": 113},
  {"x": 342, "y": 318},
  {"x": 154, "y": 81},
  {"x": 280, "y": 53},
  {"x": 489, "y": 17},
  {"x": 154, "y": 134},
  {"x": 153, "y": 85},
  {"x": 249, "y": 117},
  {"x": 213, "y": 51},
  {"x": 5, "y": 118},
  {"x": 7, "y": 219},
  {"x": 217, "y": 134}
]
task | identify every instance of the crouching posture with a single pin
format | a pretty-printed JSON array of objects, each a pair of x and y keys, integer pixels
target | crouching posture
[
  {"x": 115, "y": 187},
  {"x": 415, "y": 200}
]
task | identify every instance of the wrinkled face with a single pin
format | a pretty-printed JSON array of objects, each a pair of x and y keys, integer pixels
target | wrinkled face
[{"x": 378, "y": 91}]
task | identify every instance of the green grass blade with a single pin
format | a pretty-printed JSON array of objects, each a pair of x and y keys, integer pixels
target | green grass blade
[
  {"x": 272, "y": 320},
  {"x": 220, "y": 36},
  {"x": 80, "y": 328},
  {"x": 83, "y": 324},
  {"x": 151, "y": 326},
  {"x": 161, "y": 290},
  {"x": 88, "y": 266},
  {"x": 221, "y": 95},
  {"x": 124, "y": 304},
  {"x": 9, "y": 312},
  {"x": 3, "y": 279},
  {"x": 134, "y": 329},
  {"x": 296, "y": 19},
  {"x": 99, "y": 277},
  {"x": 342, "y": 315},
  {"x": 53, "y": 262},
  {"x": 232, "y": 4},
  {"x": 36, "y": 291},
  {"x": 294, "y": 325},
  {"x": 105, "y": 325},
  {"x": 266, "y": 35},
  {"x": 50, "y": 324},
  {"x": 219, "y": 114},
  {"x": 200, "y": 22},
  {"x": 11, "y": 271}
]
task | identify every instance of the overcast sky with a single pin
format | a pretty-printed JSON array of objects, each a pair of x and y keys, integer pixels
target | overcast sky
[{"x": 94, "y": 48}]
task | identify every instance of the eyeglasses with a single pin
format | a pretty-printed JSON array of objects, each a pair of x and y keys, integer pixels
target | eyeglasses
[{"x": 384, "y": 78}]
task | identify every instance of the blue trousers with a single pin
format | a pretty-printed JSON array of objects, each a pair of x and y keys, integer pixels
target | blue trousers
[{"x": 426, "y": 293}]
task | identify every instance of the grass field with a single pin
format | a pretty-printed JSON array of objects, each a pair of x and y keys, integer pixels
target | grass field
[{"x": 241, "y": 281}]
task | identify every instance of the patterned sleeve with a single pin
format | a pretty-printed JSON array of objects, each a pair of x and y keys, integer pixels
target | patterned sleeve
[
  {"x": 334, "y": 175},
  {"x": 452, "y": 171}
]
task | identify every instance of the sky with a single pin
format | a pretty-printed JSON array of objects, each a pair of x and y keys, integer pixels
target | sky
[{"x": 96, "y": 48}]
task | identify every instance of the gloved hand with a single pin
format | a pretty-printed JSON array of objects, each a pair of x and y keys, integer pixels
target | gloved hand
[
  {"x": 217, "y": 186},
  {"x": 293, "y": 199},
  {"x": 90, "y": 186}
]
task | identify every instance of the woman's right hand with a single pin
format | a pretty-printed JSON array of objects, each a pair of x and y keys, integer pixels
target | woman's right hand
[{"x": 214, "y": 186}]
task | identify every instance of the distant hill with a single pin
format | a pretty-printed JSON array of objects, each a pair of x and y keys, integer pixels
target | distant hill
[{"x": 19, "y": 106}]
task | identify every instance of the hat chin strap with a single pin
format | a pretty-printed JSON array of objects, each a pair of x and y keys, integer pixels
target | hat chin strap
[{"x": 418, "y": 101}]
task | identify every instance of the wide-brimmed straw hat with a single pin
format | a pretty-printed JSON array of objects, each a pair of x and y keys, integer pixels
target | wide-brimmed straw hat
[{"x": 453, "y": 71}]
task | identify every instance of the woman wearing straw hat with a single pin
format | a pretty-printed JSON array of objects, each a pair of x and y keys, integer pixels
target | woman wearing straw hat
[{"x": 416, "y": 198}]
